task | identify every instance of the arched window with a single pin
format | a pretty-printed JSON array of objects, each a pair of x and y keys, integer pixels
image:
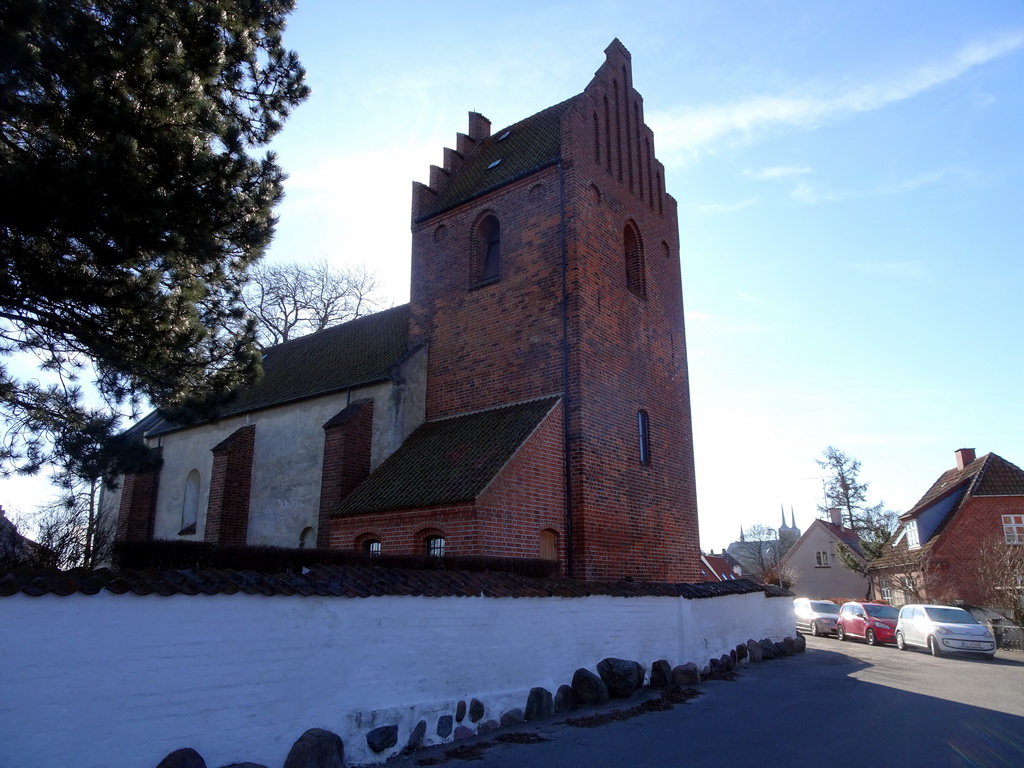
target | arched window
[
  {"x": 634, "y": 252},
  {"x": 644, "y": 435},
  {"x": 372, "y": 547},
  {"x": 307, "y": 539},
  {"x": 548, "y": 544},
  {"x": 490, "y": 248},
  {"x": 190, "y": 507},
  {"x": 435, "y": 546}
]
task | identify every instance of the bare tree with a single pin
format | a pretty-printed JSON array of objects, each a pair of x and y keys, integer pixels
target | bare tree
[
  {"x": 759, "y": 552},
  {"x": 70, "y": 530},
  {"x": 292, "y": 300},
  {"x": 999, "y": 579}
]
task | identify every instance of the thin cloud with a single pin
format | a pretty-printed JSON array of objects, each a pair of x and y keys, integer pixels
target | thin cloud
[
  {"x": 687, "y": 133},
  {"x": 907, "y": 270},
  {"x": 808, "y": 193},
  {"x": 716, "y": 209},
  {"x": 776, "y": 172}
]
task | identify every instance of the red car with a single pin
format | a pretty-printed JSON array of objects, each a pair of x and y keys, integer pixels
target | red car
[{"x": 873, "y": 622}]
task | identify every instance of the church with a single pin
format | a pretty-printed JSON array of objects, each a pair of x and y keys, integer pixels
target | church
[{"x": 531, "y": 400}]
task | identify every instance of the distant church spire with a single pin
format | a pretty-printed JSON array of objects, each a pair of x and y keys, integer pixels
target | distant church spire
[
  {"x": 782, "y": 510},
  {"x": 741, "y": 534},
  {"x": 792, "y": 516}
]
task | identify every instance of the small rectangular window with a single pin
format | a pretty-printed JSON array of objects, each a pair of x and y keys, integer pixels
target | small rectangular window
[
  {"x": 912, "y": 539},
  {"x": 1013, "y": 529},
  {"x": 821, "y": 559},
  {"x": 435, "y": 546}
]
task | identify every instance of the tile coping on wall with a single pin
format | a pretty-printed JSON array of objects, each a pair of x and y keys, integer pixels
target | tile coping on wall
[{"x": 350, "y": 581}]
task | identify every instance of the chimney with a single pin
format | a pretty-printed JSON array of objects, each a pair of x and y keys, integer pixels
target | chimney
[
  {"x": 964, "y": 456},
  {"x": 837, "y": 516}
]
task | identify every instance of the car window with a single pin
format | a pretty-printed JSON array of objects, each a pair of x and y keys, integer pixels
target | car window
[
  {"x": 950, "y": 615},
  {"x": 881, "y": 611},
  {"x": 826, "y": 607}
]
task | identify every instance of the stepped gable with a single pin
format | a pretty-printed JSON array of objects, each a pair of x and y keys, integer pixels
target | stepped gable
[
  {"x": 449, "y": 460},
  {"x": 357, "y": 353},
  {"x": 510, "y": 154}
]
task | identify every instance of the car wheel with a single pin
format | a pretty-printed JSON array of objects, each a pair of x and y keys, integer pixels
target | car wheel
[
  {"x": 900, "y": 642},
  {"x": 990, "y": 657},
  {"x": 840, "y": 632},
  {"x": 870, "y": 637},
  {"x": 814, "y": 628},
  {"x": 933, "y": 646}
]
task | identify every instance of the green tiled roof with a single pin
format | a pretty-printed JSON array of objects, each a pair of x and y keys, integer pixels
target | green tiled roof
[
  {"x": 356, "y": 353},
  {"x": 527, "y": 146},
  {"x": 447, "y": 461}
]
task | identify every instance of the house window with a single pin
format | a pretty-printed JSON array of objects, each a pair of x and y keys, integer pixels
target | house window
[
  {"x": 821, "y": 559},
  {"x": 548, "y": 545},
  {"x": 489, "y": 233},
  {"x": 435, "y": 546},
  {"x": 644, "y": 435},
  {"x": 1013, "y": 529},
  {"x": 912, "y": 539},
  {"x": 372, "y": 547},
  {"x": 887, "y": 593},
  {"x": 634, "y": 252},
  {"x": 190, "y": 507}
]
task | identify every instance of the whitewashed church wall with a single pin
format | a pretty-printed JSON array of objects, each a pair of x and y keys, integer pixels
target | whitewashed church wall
[
  {"x": 119, "y": 681},
  {"x": 287, "y": 464},
  {"x": 402, "y": 409}
]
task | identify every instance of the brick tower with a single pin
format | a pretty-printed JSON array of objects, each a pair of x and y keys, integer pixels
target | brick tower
[{"x": 545, "y": 262}]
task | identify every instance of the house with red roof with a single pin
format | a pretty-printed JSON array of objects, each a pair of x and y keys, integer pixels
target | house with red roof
[
  {"x": 720, "y": 568},
  {"x": 962, "y": 542},
  {"x": 813, "y": 566},
  {"x": 531, "y": 400}
]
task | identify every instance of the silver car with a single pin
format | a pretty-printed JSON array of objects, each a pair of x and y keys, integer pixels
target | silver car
[
  {"x": 943, "y": 629},
  {"x": 816, "y": 616}
]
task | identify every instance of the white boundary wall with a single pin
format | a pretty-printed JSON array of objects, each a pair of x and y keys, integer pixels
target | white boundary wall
[{"x": 119, "y": 681}]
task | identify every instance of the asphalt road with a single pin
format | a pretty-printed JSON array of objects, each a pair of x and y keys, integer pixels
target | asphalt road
[{"x": 838, "y": 704}]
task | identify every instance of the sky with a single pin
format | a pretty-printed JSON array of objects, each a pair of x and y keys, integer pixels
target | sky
[{"x": 849, "y": 180}]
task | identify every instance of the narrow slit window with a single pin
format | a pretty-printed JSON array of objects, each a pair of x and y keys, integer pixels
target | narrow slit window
[
  {"x": 490, "y": 244},
  {"x": 644, "y": 434}
]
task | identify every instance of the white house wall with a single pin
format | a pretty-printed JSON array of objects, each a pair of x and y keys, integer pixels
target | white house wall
[
  {"x": 816, "y": 581},
  {"x": 119, "y": 681}
]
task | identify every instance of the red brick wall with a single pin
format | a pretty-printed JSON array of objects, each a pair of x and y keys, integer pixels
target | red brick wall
[
  {"x": 628, "y": 352},
  {"x": 347, "y": 444},
  {"x": 527, "y": 496},
  {"x": 524, "y": 499},
  {"x": 137, "y": 510},
  {"x": 955, "y": 564},
  {"x": 227, "y": 516},
  {"x": 499, "y": 342},
  {"x": 505, "y": 341}
]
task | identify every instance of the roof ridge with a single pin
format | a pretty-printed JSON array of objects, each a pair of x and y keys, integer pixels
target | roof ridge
[
  {"x": 308, "y": 337},
  {"x": 528, "y": 401}
]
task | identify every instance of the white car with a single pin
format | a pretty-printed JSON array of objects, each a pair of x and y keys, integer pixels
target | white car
[
  {"x": 816, "y": 616},
  {"x": 943, "y": 629}
]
